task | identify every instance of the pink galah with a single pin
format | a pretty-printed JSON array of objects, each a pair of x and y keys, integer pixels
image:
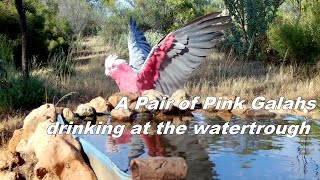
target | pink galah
[{"x": 167, "y": 66}]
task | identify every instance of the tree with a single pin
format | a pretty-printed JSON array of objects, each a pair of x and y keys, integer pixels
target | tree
[
  {"x": 24, "y": 36},
  {"x": 251, "y": 18}
]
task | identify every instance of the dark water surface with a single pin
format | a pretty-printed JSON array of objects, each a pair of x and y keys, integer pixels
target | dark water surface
[{"x": 223, "y": 156}]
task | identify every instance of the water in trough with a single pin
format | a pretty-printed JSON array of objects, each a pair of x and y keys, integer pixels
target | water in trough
[{"x": 222, "y": 156}]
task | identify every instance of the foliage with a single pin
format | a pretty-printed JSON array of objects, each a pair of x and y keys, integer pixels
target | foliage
[
  {"x": 153, "y": 37},
  {"x": 297, "y": 39},
  {"x": 82, "y": 18},
  {"x": 251, "y": 18},
  {"x": 6, "y": 49},
  {"x": 158, "y": 17},
  {"x": 21, "y": 93},
  {"x": 184, "y": 11},
  {"x": 62, "y": 64},
  {"x": 45, "y": 31},
  {"x": 293, "y": 42}
]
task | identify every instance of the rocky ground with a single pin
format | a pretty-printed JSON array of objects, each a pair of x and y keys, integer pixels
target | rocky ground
[{"x": 33, "y": 154}]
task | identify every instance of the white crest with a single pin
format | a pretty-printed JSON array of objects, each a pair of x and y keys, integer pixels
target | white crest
[{"x": 112, "y": 62}]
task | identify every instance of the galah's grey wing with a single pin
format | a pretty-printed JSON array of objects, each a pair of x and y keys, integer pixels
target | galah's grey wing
[
  {"x": 138, "y": 47},
  {"x": 171, "y": 62}
]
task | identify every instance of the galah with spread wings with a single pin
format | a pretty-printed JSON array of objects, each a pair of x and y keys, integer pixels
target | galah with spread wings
[{"x": 167, "y": 66}]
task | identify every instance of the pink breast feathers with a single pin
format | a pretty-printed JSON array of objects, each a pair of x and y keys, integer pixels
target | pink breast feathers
[{"x": 125, "y": 78}]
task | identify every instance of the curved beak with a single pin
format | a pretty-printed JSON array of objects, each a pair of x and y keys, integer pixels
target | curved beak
[{"x": 107, "y": 72}]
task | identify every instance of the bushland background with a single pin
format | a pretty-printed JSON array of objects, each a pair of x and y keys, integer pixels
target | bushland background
[{"x": 53, "y": 50}]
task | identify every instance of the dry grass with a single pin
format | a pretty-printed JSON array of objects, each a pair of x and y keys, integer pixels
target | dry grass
[
  {"x": 7, "y": 126},
  {"x": 223, "y": 74},
  {"x": 88, "y": 82},
  {"x": 219, "y": 73}
]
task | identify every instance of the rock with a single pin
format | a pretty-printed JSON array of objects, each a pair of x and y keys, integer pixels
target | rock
[
  {"x": 27, "y": 169},
  {"x": 121, "y": 114},
  {"x": 153, "y": 95},
  {"x": 100, "y": 104},
  {"x": 223, "y": 97},
  {"x": 85, "y": 110},
  {"x": 225, "y": 115},
  {"x": 178, "y": 97},
  {"x": 63, "y": 158},
  {"x": 50, "y": 176},
  {"x": 9, "y": 160},
  {"x": 226, "y": 97},
  {"x": 22, "y": 146},
  {"x": 37, "y": 116},
  {"x": 240, "y": 112},
  {"x": 69, "y": 115},
  {"x": 40, "y": 140},
  {"x": 261, "y": 113},
  {"x": 291, "y": 111},
  {"x": 103, "y": 118},
  {"x": 115, "y": 98},
  {"x": 141, "y": 109},
  {"x": 14, "y": 141},
  {"x": 10, "y": 176}
]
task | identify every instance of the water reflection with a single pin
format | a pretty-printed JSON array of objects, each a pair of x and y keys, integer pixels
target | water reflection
[{"x": 221, "y": 156}]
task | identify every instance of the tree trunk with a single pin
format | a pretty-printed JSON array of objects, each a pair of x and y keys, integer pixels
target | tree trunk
[{"x": 24, "y": 35}]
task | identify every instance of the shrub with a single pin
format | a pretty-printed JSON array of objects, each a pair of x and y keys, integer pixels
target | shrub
[
  {"x": 21, "y": 93},
  {"x": 154, "y": 15},
  {"x": 153, "y": 37},
  {"x": 62, "y": 65},
  {"x": 251, "y": 19},
  {"x": 46, "y": 31},
  {"x": 6, "y": 49},
  {"x": 294, "y": 43},
  {"x": 297, "y": 39}
]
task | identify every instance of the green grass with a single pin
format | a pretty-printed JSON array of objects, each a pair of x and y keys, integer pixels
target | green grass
[{"x": 20, "y": 93}]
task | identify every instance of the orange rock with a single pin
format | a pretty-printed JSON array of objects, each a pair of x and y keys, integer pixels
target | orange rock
[
  {"x": 14, "y": 141},
  {"x": 68, "y": 114},
  {"x": 63, "y": 158},
  {"x": 40, "y": 140},
  {"x": 225, "y": 115},
  {"x": 100, "y": 104},
  {"x": 86, "y": 110},
  {"x": 261, "y": 113},
  {"x": 10, "y": 175},
  {"x": 115, "y": 98},
  {"x": 239, "y": 112},
  {"x": 121, "y": 114},
  {"x": 141, "y": 109},
  {"x": 290, "y": 111},
  {"x": 226, "y": 97},
  {"x": 41, "y": 114},
  {"x": 9, "y": 160},
  {"x": 153, "y": 95},
  {"x": 178, "y": 97}
]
